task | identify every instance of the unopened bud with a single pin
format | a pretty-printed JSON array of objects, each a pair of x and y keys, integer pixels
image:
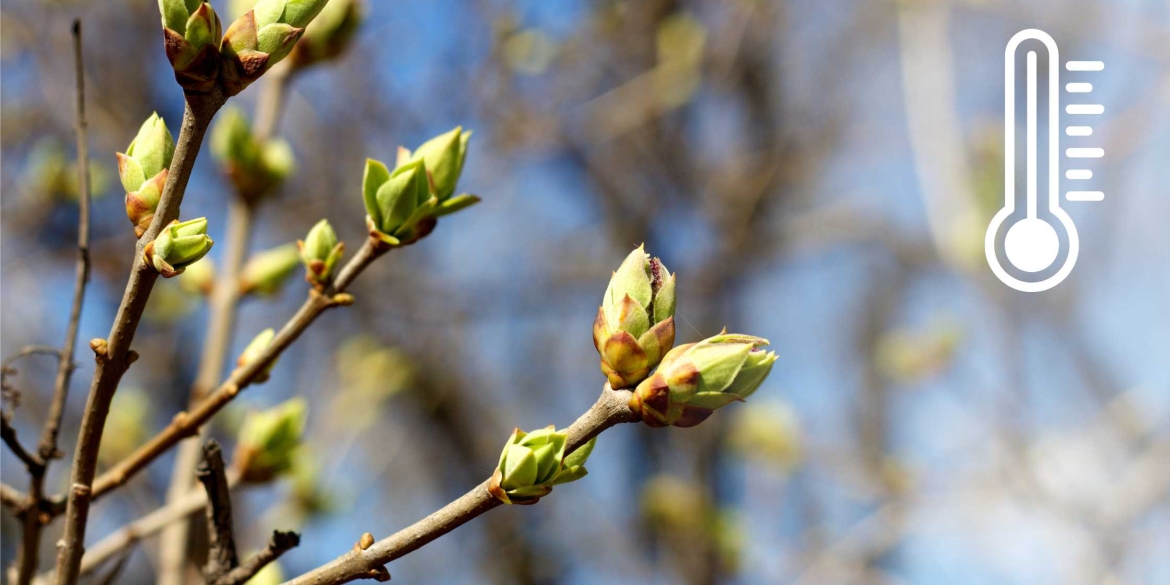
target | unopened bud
[
  {"x": 634, "y": 326},
  {"x": 254, "y": 351},
  {"x": 269, "y": 441},
  {"x": 255, "y": 168},
  {"x": 262, "y": 37},
  {"x": 192, "y": 34},
  {"x": 267, "y": 271},
  {"x": 178, "y": 246},
  {"x": 143, "y": 170},
  {"x": 695, "y": 379},
  {"x": 532, "y": 463},
  {"x": 320, "y": 251},
  {"x": 329, "y": 34}
]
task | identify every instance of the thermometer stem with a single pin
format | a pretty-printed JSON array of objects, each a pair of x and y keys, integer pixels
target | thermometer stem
[{"x": 1032, "y": 134}]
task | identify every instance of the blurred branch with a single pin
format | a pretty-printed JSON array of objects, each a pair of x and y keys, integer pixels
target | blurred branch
[
  {"x": 368, "y": 559},
  {"x": 217, "y": 340},
  {"x": 11, "y": 498},
  {"x": 222, "y": 556}
]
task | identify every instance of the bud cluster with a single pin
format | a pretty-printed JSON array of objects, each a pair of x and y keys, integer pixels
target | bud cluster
[
  {"x": 634, "y": 333},
  {"x": 532, "y": 463},
  {"x": 254, "y": 351},
  {"x": 203, "y": 55},
  {"x": 403, "y": 205},
  {"x": 255, "y": 168},
  {"x": 143, "y": 170}
]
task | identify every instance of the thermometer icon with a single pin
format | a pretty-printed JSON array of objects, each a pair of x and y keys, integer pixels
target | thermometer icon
[{"x": 1030, "y": 235}]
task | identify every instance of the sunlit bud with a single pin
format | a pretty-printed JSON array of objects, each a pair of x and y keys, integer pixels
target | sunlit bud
[
  {"x": 178, "y": 246},
  {"x": 262, "y": 37},
  {"x": 329, "y": 34},
  {"x": 319, "y": 252},
  {"x": 254, "y": 168},
  {"x": 444, "y": 155},
  {"x": 199, "y": 278},
  {"x": 532, "y": 463},
  {"x": 143, "y": 170},
  {"x": 695, "y": 379},
  {"x": 255, "y": 351},
  {"x": 396, "y": 202},
  {"x": 634, "y": 326},
  {"x": 268, "y": 270},
  {"x": 192, "y": 34},
  {"x": 269, "y": 441}
]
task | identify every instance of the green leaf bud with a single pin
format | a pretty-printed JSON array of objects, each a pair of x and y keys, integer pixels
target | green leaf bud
[
  {"x": 396, "y": 201},
  {"x": 178, "y": 246},
  {"x": 270, "y": 440},
  {"x": 267, "y": 271},
  {"x": 262, "y": 37},
  {"x": 695, "y": 379},
  {"x": 634, "y": 326},
  {"x": 532, "y": 463},
  {"x": 330, "y": 34},
  {"x": 254, "y": 168},
  {"x": 320, "y": 252},
  {"x": 444, "y": 156},
  {"x": 143, "y": 171},
  {"x": 255, "y": 350},
  {"x": 192, "y": 31}
]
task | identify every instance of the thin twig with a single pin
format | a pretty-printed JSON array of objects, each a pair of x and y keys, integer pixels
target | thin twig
[
  {"x": 367, "y": 561},
  {"x": 29, "y": 559},
  {"x": 11, "y": 498},
  {"x": 280, "y": 543},
  {"x": 221, "y": 555},
  {"x": 113, "y": 355},
  {"x": 8, "y": 433},
  {"x": 187, "y": 424}
]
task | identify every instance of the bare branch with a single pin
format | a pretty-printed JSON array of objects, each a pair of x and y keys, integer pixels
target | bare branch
[
  {"x": 11, "y": 498},
  {"x": 368, "y": 560},
  {"x": 32, "y": 462},
  {"x": 280, "y": 543}
]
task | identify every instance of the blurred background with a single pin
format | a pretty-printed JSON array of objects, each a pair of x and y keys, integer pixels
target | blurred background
[{"x": 819, "y": 173}]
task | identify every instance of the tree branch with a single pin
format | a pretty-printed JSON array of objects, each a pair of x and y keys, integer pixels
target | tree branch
[
  {"x": 222, "y": 309},
  {"x": 280, "y": 543},
  {"x": 187, "y": 424},
  {"x": 113, "y": 354},
  {"x": 221, "y": 556},
  {"x": 11, "y": 498},
  {"x": 367, "y": 562}
]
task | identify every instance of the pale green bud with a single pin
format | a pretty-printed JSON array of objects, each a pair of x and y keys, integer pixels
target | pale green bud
[
  {"x": 396, "y": 201},
  {"x": 634, "y": 326},
  {"x": 255, "y": 168},
  {"x": 298, "y": 13},
  {"x": 695, "y": 379},
  {"x": 262, "y": 37},
  {"x": 267, "y": 271},
  {"x": 532, "y": 463},
  {"x": 444, "y": 155},
  {"x": 329, "y": 34},
  {"x": 148, "y": 154},
  {"x": 255, "y": 350},
  {"x": 269, "y": 441},
  {"x": 319, "y": 252},
  {"x": 178, "y": 246},
  {"x": 192, "y": 31}
]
